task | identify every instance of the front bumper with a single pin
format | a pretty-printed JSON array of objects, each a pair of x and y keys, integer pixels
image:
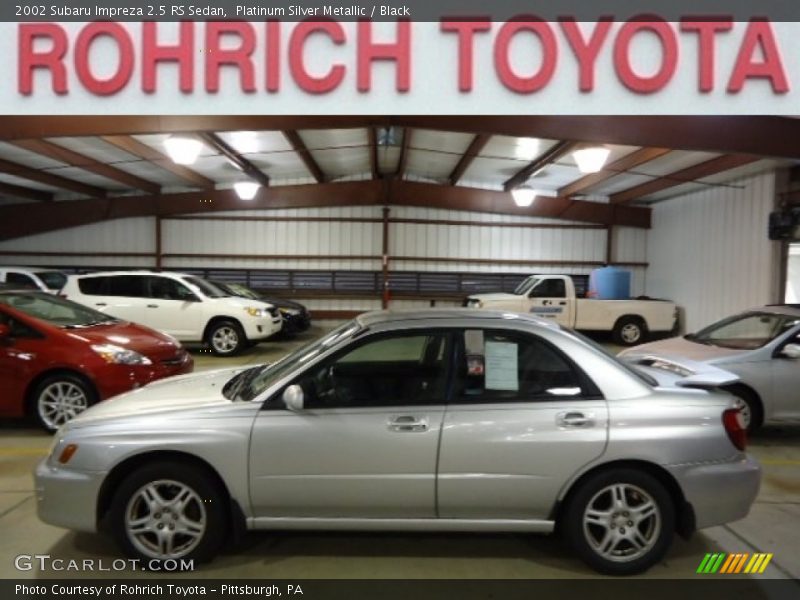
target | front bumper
[
  {"x": 296, "y": 323},
  {"x": 262, "y": 328},
  {"x": 113, "y": 380},
  {"x": 67, "y": 498},
  {"x": 719, "y": 493}
]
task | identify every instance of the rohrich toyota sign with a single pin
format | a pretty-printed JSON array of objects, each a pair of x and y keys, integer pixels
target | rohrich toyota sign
[{"x": 449, "y": 66}]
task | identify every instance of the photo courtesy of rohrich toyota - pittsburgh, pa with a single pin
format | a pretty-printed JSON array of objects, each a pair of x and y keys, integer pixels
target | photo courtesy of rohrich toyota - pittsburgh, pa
[{"x": 406, "y": 299}]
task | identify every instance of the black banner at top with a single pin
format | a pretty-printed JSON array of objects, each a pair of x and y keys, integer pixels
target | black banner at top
[{"x": 391, "y": 10}]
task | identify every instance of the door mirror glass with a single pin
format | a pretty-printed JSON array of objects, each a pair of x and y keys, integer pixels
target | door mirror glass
[
  {"x": 293, "y": 398},
  {"x": 791, "y": 351},
  {"x": 5, "y": 331}
]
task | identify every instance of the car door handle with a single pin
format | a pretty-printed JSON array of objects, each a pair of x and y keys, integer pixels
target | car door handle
[
  {"x": 407, "y": 424},
  {"x": 152, "y": 306},
  {"x": 100, "y": 304},
  {"x": 563, "y": 303},
  {"x": 574, "y": 419}
]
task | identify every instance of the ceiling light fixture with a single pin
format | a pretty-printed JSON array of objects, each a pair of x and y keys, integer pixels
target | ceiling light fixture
[
  {"x": 183, "y": 150},
  {"x": 524, "y": 196},
  {"x": 246, "y": 190},
  {"x": 591, "y": 160}
]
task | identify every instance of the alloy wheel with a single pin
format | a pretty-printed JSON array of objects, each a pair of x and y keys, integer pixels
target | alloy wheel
[
  {"x": 631, "y": 333},
  {"x": 225, "y": 340},
  {"x": 59, "y": 402}
]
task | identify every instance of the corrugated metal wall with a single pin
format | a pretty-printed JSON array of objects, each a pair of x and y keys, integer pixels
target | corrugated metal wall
[{"x": 709, "y": 251}]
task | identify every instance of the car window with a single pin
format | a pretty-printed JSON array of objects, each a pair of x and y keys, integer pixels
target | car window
[
  {"x": 747, "y": 331},
  {"x": 164, "y": 288},
  {"x": 510, "y": 366},
  {"x": 208, "y": 288},
  {"x": 53, "y": 280},
  {"x": 399, "y": 370},
  {"x": 55, "y": 310},
  {"x": 128, "y": 286},
  {"x": 93, "y": 286},
  {"x": 21, "y": 279},
  {"x": 549, "y": 288}
]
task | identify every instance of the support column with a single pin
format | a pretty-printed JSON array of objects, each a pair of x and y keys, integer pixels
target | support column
[
  {"x": 158, "y": 242},
  {"x": 385, "y": 297}
]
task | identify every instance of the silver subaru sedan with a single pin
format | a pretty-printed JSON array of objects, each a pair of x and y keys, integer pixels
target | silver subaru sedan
[{"x": 445, "y": 420}]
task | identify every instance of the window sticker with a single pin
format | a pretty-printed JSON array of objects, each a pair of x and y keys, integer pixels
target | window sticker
[{"x": 502, "y": 366}]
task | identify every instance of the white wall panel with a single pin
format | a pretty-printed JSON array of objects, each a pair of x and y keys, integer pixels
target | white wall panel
[{"x": 709, "y": 251}]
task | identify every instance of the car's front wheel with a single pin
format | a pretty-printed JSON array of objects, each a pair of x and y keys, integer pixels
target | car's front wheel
[
  {"x": 620, "y": 522},
  {"x": 60, "y": 398},
  {"x": 169, "y": 511},
  {"x": 226, "y": 338}
]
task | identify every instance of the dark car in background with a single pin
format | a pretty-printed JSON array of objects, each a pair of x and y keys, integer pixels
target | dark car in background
[
  {"x": 296, "y": 318},
  {"x": 57, "y": 357}
]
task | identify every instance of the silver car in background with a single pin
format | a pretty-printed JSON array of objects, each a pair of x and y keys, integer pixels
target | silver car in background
[
  {"x": 761, "y": 346},
  {"x": 449, "y": 420}
]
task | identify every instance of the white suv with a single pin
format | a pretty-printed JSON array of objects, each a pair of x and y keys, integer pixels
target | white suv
[
  {"x": 44, "y": 279},
  {"x": 186, "y": 307}
]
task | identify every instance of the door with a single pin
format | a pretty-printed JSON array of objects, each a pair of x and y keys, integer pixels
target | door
[
  {"x": 120, "y": 296},
  {"x": 785, "y": 372},
  {"x": 523, "y": 418},
  {"x": 174, "y": 309},
  {"x": 365, "y": 444},
  {"x": 18, "y": 363},
  {"x": 548, "y": 299}
]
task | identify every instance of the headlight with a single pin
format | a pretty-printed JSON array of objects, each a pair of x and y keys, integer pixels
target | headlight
[
  {"x": 292, "y": 312},
  {"x": 120, "y": 356},
  {"x": 255, "y": 312}
]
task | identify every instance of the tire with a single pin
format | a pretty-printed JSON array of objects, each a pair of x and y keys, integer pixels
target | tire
[
  {"x": 611, "y": 541},
  {"x": 178, "y": 509},
  {"x": 60, "y": 398},
  {"x": 629, "y": 331},
  {"x": 226, "y": 338},
  {"x": 749, "y": 407}
]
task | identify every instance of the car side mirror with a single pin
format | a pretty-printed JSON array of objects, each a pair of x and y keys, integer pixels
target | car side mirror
[
  {"x": 5, "y": 331},
  {"x": 790, "y": 351},
  {"x": 293, "y": 398}
]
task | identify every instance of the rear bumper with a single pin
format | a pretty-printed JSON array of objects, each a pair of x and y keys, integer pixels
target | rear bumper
[{"x": 719, "y": 493}]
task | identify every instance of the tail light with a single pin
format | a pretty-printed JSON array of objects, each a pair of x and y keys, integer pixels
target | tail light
[{"x": 733, "y": 427}]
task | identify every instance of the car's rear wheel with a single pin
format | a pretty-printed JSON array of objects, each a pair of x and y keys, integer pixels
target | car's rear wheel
[
  {"x": 226, "y": 338},
  {"x": 629, "y": 331},
  {"x": 620, "y": 522},
  {"x": 169, "y": 511},
  {"x": 60, "y": 398},
  {"x": 749, "y": 408}
]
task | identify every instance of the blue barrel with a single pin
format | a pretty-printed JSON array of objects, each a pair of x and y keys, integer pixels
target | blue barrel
[{"x": 610, "y": 283}]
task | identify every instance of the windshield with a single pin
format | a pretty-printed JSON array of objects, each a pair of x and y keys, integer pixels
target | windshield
[
  {"x": 243, "y": 291},
  {"x": 526, "y": 285},
  {"x": 53, "y": 280},
  {"x": 209, "y": 289},
  {"x": 746, "y": 331},
  {"x": 249, "y": 384},
  {"x": 55, "y": 310}
]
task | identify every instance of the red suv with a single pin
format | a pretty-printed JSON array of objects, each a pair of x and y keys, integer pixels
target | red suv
[{"x": 57, "y": 357}]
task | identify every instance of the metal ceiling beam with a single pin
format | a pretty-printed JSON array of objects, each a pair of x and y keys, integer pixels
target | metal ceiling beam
[
  {"x": 688, "y": 175},
  {"x": 627, "y": 162},
  {"x": 87, "y": 163},
  {"x": 236, "y": 159},
  {"x": 473, "y": 150},
  {"x": 549, "y": 157},
  {"x": 757, "y": 135},
  {"x": 47, "y": 178},
  {"x": 402, "y": 161},
  {"x": 299, "y": 146},
  {"x": 23, "y": 192},
  {"x": 133, "y": 146},
  {"x": 373, "y": 153},
  {"x": 21, "y": 220}
]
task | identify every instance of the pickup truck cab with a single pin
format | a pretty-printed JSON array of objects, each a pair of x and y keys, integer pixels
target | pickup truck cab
[{"x": 553, "y": 297}]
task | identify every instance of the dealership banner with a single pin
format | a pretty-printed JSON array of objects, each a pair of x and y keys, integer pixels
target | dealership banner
[{"x": 517, "y": 57}]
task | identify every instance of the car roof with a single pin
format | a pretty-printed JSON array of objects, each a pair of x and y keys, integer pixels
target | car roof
[
  {"x": 141, "y": 272},
  {"x": 28, "y": 270},
  {"x": 436, "y": 314},
  {"x": 782, "y": 309}
]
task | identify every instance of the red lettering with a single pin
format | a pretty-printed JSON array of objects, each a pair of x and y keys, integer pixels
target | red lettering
[
  {"x": 51, "y": 59},
  {"x": 586, "y": 51},
  {"x": 635, "y": 82},
  {"x": 706, "y": 32},
  {"x": 502, "y": 60},
  {"x": 759, "y": 35},
  {"x": 465, "y": 30},
  {"x": 399, "y": 51},
  {"x": 83, "y": 45},
  {"x": 181, "y": 53},
  {"x": 239, "y": 56},
  {"x": 273, "y": 64},
  {"x": 315, "y": 84}
]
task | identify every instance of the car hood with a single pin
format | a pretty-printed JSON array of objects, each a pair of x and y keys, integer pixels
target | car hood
[
  {"x": 130, "y": 336},
  {"x": 283, "y": 303},
  {"x": 241, "y": 302},
  {"x": 198, "y": 390},
  {"x": 681, "y": 347}
]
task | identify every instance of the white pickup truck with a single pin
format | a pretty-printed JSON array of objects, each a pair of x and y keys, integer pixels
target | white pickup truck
[{"x": 554, "y": 297}]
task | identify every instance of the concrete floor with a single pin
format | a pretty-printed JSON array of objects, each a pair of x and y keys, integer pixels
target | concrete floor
[{"x": 772, "y": 526}]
